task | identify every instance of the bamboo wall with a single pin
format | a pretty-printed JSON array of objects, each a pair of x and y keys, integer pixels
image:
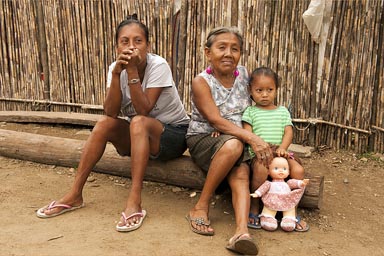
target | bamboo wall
[{"x": 343, "y": 107}]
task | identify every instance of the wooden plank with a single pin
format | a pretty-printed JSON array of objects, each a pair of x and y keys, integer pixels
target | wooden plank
[{"x": 49, "y": 117}]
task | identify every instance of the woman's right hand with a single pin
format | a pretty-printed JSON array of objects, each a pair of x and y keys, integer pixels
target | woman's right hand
[{"x": 126, "y": 58}]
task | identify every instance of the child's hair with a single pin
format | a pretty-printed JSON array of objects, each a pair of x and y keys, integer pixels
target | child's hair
[
  {"x": 264, "y": 71},
  {"x": 132, "y": 19}
]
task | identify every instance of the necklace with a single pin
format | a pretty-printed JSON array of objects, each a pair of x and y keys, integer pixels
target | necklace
[{"x": 226, "y": 85}]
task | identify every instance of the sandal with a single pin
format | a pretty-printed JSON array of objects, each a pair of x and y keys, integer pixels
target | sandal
[
  {"x": 127, "y": 228},
  {"x": 253, "y": 221},
  {"x": 299, "y": 227},
  {"x": 243, "y": 244},
  {"x": 199, "y": 222},
  {"x": 66, "y": 208}
]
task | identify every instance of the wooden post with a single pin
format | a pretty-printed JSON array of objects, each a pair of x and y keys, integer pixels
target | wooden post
[
  {"x": 182, "y": 42},
  {"x": 42, "y": 43},
  {"x": 234, "y": 13},
  {"x": 375, "y": 95}
]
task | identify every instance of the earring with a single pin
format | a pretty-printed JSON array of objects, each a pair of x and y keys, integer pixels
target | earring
[{"x": 209, "y": 70}]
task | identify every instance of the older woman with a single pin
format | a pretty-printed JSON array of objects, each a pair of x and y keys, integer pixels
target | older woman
[{"x": 216, "y": 138}]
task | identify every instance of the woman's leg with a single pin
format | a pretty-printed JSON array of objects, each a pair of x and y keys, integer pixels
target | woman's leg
[
  {"x": 239, "y": 182},
  {"x": 241, "y": 242},
  {"x": 145, "y": 140},
  {"x": 106, "y": 129},
  {"x": 219, "y": 168}
]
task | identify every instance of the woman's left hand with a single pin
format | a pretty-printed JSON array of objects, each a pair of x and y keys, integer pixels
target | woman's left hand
[{"x": 133, "y": 56}]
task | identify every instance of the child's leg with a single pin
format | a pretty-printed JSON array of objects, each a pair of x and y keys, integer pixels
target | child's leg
[
  {"x": 259, "y": 175},
  {"x": 296, "y": 169},
  {"x": 297, "y": 172}
]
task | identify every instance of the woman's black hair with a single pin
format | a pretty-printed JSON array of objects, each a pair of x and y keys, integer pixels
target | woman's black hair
[
  {"x": 265, "y": 71},
  {"x": 132, "y": 19}
]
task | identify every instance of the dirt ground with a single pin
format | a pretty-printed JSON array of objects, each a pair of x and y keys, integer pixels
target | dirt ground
[{"x": 348, "y": 222}]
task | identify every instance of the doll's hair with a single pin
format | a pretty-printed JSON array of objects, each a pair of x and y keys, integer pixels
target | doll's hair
[
  {"x": 132, "y": 19},
  {"x": 264, "y": 71},
  {"x": 221, "y": 30}
]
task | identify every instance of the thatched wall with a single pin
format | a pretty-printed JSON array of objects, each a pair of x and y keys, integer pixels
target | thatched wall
[{"x": 337, "y": 102}]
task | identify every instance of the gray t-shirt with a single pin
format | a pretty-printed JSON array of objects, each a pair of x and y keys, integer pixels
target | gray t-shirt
[{"x": 168, "y": 108}]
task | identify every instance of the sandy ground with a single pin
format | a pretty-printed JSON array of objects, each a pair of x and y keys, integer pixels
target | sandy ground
[{"x": 348, "y": 222}]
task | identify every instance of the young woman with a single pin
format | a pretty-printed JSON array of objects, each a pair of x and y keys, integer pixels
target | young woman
[{"x": 143, "y": 111}]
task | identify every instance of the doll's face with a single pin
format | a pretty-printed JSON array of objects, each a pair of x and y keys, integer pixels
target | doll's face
[{"x": 279, "y": 168}]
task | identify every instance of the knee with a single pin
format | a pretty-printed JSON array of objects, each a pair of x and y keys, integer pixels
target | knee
[
  {"x": 259, "y": 171},
  {"x": 233, "y": 147},
  {"x": 103, "y": 124},
  {"x": 239, "y": 174},
  {"x": 297, "y": 172},
  {"x": 137, "y": 124}
]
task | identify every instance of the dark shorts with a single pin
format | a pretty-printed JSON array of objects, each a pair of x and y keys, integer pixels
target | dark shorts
[
  {"x": 172, "y": 142},
  {"x": 203, "y": 148}
]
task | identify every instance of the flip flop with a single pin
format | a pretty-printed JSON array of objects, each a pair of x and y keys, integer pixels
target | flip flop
[
  {"x": 243, "y": 244},
  {"x": 256, "y": 221},
  {"x": 66, "y": 208},
  {"x": 299, "y": 227},
  {"x": 199, "y": 221},
  {"x": 134, "y": 226}
]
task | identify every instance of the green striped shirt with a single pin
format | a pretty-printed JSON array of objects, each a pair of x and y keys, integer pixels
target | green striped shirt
[{"x": 268, "y": 124}]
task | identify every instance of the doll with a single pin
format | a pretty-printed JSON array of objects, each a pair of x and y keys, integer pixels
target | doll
[{"x": 277, "y": 195}]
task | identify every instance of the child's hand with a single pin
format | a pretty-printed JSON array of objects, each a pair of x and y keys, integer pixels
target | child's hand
[
  {"x": 254, "y": 195},
  {"x": 305, "y": 182},
  {"x": 215, "y": 134},
  {"x": 282, "y": 152}
]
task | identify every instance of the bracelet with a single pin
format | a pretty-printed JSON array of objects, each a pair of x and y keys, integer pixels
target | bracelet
[{"x": 133, "y": 81}]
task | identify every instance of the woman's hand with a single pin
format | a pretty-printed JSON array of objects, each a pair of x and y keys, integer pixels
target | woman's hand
[
  {"x": 128, "y": 58},
  {"x": 262, "y": 150}
]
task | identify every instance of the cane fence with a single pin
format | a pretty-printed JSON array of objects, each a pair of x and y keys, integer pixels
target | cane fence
[{"x": 54, "y": 56}]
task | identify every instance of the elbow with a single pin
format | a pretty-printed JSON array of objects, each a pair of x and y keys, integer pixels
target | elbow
[
  {"x": 110, "y": 113},
  {"x": 214, "y": 121}
]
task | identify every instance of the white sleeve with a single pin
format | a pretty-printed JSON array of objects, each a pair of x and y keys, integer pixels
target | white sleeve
[
  {"x": 159, "y": 76},
  {"x": 109, "y": 76}
]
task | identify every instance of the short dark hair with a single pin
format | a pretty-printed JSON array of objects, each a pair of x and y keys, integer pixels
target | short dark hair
[
  {"x": 132, "y": 19},
  {"x": 265, "y": 71},
  {"x": 221, "y": 30}
]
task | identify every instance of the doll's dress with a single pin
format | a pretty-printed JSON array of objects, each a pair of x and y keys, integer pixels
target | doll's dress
[{"x": 281, "y": 195}]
